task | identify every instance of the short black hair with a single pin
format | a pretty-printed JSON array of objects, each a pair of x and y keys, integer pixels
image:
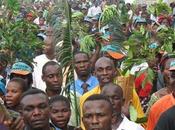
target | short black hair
[
  {"x": 32, "y": 91},
  {"x": 29, "y": 77},
  {"x": 21, "y": 82},
  {"x": 97, "y": 97},
  {"x": 116, "y": 86},
  {"x": 48, "y": 64},
  {"x": 59, "y": 98},
  {"x": 81, "y": 52}
]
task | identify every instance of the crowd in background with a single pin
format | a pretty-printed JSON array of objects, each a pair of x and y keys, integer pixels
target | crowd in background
[{"x": 104, "y": 95}]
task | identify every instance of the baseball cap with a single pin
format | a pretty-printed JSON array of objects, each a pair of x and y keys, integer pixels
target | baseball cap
[
  {"x": 21, "y": 68},
  {"x": 114, "y": 51},
  {"x": 172, "y": 65}
]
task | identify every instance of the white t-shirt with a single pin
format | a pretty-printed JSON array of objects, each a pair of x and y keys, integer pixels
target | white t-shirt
[
  {"x": 38, "y": 64},
  {"x": 129, "y": 125},
  {"x": 94, "y": 11}
]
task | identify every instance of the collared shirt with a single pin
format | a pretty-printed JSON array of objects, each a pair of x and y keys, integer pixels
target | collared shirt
[
  {"x": 56, "y": 128},
  {"x": 129, "y": 125},
  {"x": 92, "y": 83},
  {"x": 68, "y": 127}
]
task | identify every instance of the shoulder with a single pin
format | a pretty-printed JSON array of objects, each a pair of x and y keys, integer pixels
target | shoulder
[
  {"x": 161, "y": 101},
  {"x": 162, "y": 92},
  {"x": 86, "y": 95},
  {"x": 39, "y": 57},
  {"x": 132, "y": 125}
]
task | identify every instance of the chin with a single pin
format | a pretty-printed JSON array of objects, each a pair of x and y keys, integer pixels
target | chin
[{"x": 38, "y": 127}]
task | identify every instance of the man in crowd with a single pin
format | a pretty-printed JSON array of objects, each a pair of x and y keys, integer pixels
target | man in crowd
[
  {"x": 39, "y": 61},
  {"x": 97, "y": 113},
  {"x": 164, "y": 103},
  {"x": 35, "y": 110},
  {"x": 53, "y": 77},
  {"x": 34, "y": 113},
  {"x": 94, "y": 10},
  {"x": 60, "y": 112},
  {"x": 105, "y": 72},
  {"x": 120, "y": 121},
  {"x": 85, "y": 81}
]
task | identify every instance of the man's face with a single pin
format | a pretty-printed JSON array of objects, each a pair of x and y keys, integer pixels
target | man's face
[
  {"x": 53, "y": 77},
  {"x": 115, "y": 97},
  {"x": 166, "y": 72},
  {"x": 35, "y": 111},
  {"x": 82, "y": 66},
  {"x": 13, "y": 94},
  {"x": 97, "y": 115},
  {"x": 105, "y": 72},
  {"x": 48, "y": 46},
  {"x": 60, "y": 114}
]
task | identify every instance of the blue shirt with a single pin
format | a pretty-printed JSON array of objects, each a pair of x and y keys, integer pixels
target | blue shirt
[
  {"x": 2, "y": 127},
  {"x": 92, "y": 83}
]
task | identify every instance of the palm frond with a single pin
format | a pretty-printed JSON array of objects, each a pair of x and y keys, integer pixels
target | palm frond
[{"x": 63, "y": 31}]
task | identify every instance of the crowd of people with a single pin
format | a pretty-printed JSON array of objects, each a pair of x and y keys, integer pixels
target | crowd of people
[{"x": 103, "y": 96}]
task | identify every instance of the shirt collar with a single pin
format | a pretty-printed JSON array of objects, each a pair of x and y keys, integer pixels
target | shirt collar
[{"x": 80, "y": 82}]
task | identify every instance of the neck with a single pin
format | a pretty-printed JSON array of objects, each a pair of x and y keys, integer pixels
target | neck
[
  {"x": 50, "y": 56},
  {"x": 65, "y": 128},
  {"x": 51, "y": 93},
  {"x": 45, "y": 128},
  {"x": 84, "y": 77},
  {"x": 117, "y": 122},
  {"x": 169, "y": 89}
]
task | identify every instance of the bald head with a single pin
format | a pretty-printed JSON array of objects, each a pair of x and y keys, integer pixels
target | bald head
[
  {"x": 102, "y": 60},
  {"x": 114, "y": 88},
  {"x": 105, "y": 71}
]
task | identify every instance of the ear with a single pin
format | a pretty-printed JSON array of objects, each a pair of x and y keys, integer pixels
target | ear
[{"x": 43, "y": 78}]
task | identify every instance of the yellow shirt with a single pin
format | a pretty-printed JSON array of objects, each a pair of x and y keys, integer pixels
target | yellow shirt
[{"x": 95, "y": 90}]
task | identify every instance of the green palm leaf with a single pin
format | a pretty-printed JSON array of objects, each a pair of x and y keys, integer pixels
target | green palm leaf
[{"x": 65, "y": 51}]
